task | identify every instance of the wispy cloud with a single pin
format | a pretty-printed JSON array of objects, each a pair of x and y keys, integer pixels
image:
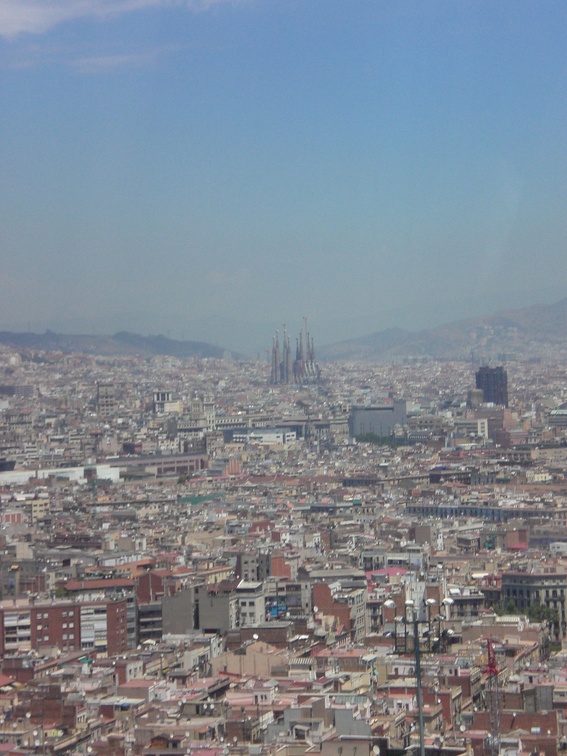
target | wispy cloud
[
  {"x": 100, "y": 64},
  {"x": 39, "y": 16},
  {"x": 89, "y": 58}
]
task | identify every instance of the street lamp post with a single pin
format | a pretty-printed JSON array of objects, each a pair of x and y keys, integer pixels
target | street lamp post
[
  {"x": 417, "y": 652},
  {"x": 413, "y": 619}
]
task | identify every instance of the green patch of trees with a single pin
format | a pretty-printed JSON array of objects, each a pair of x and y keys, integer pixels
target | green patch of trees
[{"x": 536, "y": 612}]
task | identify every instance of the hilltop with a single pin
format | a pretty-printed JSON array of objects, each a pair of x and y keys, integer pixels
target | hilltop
[
  {"x": 538, "y": 331},
  {"x": 121, "y": 343}
]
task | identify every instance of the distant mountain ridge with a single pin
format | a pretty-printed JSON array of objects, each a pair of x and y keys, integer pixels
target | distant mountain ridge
[
  {"x": 121, "y": 343},
  {"x": 538, "y": 331}
]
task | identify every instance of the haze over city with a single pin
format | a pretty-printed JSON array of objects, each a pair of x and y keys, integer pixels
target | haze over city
[{"x": 206, "y": 169}]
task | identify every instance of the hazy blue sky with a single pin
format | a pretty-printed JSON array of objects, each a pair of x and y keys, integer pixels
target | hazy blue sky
[{"x": 170, "y": 165}]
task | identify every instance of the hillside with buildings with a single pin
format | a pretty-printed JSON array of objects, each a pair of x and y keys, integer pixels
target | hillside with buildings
[
  {"x": 536, "y": 332},
  {"x": 539, "y": 331}
]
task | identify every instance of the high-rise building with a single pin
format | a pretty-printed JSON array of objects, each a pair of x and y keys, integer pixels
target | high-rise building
[
  {"x": 493, "y": 382},
  {"x": 106, "y": 400}
]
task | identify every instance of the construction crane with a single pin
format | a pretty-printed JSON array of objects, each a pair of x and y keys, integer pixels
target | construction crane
[{"x": 493, "y": 699}]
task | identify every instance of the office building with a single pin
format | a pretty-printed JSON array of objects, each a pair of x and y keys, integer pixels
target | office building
[
  {"x": 379, "y": 420},
  {"x": 493, "y": 382}
]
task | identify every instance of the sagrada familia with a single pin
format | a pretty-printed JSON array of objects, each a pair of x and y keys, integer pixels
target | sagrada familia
[{"x": 301, "y": 370}]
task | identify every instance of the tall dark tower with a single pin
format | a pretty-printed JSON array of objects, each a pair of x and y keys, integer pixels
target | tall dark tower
[{"x": 493, "y": 383}]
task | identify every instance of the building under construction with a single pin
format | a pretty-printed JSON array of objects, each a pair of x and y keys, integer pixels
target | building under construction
[{"x": 301, "y": 370}]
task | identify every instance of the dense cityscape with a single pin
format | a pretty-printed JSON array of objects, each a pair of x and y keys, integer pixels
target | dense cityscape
[
  {"x": 210, "y": 557},
  {"x": 283, "y": 378}
]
